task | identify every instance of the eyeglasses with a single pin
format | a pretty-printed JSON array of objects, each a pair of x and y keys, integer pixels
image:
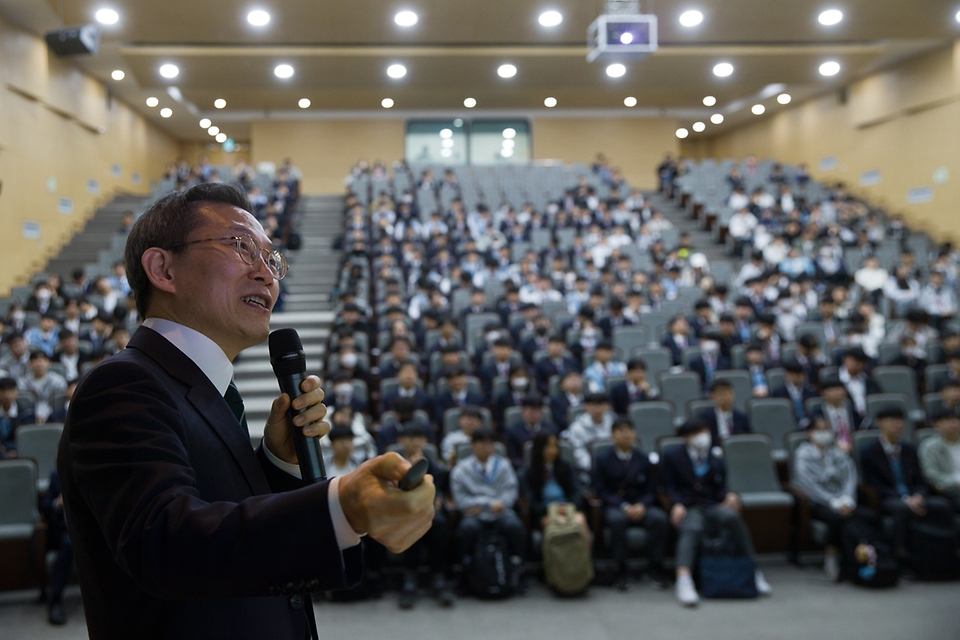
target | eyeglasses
[{"x": 249, "y": 250}]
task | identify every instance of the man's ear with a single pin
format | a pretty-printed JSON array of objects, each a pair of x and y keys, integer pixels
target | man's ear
[{"x": 158, "y": 263}]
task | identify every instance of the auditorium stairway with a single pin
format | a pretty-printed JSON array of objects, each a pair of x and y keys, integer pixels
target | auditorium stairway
[
  {"x": 314, "y": 270},
  {"x": 702, "y": 240}
]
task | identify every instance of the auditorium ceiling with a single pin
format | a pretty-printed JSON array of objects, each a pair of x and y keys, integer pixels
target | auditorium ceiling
[{"x": 340, "y": 51}]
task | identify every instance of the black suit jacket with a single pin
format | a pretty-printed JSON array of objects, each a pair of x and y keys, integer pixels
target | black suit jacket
[
  {"x": 682, "y": 485},
  {"x": 545, "y": 369},
  {"x": 606, "y": 324},
  {"x": 517, "y": 435},
  {"x": 878, "y": 474},
  {"x": 446, "y": 401},
  {"x": 697, "y": 365},
  {"x": 181, "y": 529},
  {"x": 420, "y": 397},
  {"x": 670, "y": 343},
  {"x": 741, "y": 424},
  {"x": 618, "y": 481},
  {"x": 806, "y": 393},
  {"x": 620, "y": 398}
]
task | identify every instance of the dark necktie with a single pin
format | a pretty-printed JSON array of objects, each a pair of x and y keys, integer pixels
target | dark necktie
[{"x": 232, "y": 396}]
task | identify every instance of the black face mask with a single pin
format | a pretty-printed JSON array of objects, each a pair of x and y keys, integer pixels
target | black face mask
[{"x": 542, "y": 331}]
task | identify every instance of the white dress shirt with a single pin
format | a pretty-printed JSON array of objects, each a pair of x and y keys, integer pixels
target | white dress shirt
[{"x": 213, "y": 362}]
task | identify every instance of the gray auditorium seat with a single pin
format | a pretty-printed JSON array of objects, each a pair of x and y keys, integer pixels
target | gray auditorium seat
[{"x": 751, "y": 473}]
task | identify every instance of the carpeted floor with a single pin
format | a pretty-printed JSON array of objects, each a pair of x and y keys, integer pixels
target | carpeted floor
[{"x": 804, "y": 606}]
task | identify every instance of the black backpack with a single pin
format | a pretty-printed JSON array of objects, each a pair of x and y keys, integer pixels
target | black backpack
[
  {"x": 933, "y": 552},
  {"x": 488, "y": 571},
  {"x": 724, "y": 570},
  {"x": 867, "y": 557}
]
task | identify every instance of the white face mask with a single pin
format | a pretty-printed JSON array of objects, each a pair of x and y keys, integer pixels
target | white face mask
[
  {"x": 343, "y": 389},
  {"x": 710, "y": 347},
  {"x": 349, "y": 360},
  {"x": 519, "y": 383},
  {"x": 701, "y": 441},
  {"x": 822, "y": 437}
]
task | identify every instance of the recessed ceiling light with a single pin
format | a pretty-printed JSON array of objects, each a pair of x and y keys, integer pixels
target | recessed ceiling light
[
  {"x": 205, "y": 123},
  {"x": 699, "y": 126},
  {"x": 470, "y": 103},
  {"x": 107, "y": 16},
  {"x": 716, "y": 118},
  {"x": 830, "y": 17},
  {"x": 691, "y": 18},
  {"x": 723, "y": 69},
  {"x": 509, "y": 133},
  {"x": 152, "y": 102},
  {"x": 304, "y": 103},
  {"x": 550, "y": 18},
  {"x": 629, "y": 101},
  {"x": 508, "y": 144},
  {"x": 830, "y": 68},
  {"x": 258, "y": 18},
  {"x": 447, "y": 143},
  {"x": 682, "y": 133},
  {"x": 709, "y": 101},
  {"x": 283, "y": 71},
  {"x": 957, "y": 16},
  {"x": 626, "y": 37},
  {"x": 214, "y": 130},
  {"x": 219, "y": 103},
  {"x": 757, "y": 109},
  {"x": 446, "y": 133},
  {"x": 396, "y": 71},
  {"x": 386, "y": 103},
  {"x": 506, "y": 71},
  {"x": 446, "y": 153},
  {"x": 166, "y": 112},
  {"x": 550, "y": 103},
  {"x": 616, "y": 70},
  {"x": 169, "y": 70},
  {"x": 118, "y": 75},
  {"x": 784, "y": 98},
  {"x": 506, "y": 153},
  {"x": 406, "y": 18},
  {"x": 221, "y": 137}
]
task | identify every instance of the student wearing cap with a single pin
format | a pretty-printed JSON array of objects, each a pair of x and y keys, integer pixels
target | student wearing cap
[
  {"x": 530, "y": 424},
  {"x": 940, "y": 456},
  {"x": 891, "y": 468},
  {"x": 695, "y": 482}
]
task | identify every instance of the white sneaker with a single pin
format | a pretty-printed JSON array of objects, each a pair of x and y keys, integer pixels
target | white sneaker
[
  {"x": 831, "y": 567},
  {"x": 687, "y": 592},
  {"x": 763, "y": 587}
]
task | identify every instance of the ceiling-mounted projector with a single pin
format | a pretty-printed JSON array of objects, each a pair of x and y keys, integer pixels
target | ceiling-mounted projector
[
  {"x": 623, "y": 33},
  {"x": 74, "y": 40}
]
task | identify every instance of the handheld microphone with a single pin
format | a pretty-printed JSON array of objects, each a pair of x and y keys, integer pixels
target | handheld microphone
[{"x": 290, "y": 364}]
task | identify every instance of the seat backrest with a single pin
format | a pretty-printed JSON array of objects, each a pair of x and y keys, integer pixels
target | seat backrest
[
  {"x": 680, "y": 388},
  {"x": 775, "y": 378},
  {"x": 700, "y": 405},
  {"x": 666, "y": 442},
  {"x": 652, "y": 420},
  {"x": 772, "y": 416},
  {"x": 934, "y": 375},
  {"x": 749, "y": 466},
  {"x": 430, "y": 451},
  {"x": 18, "y": 492},
  {"x": 630, "y": 337},
  {"x": 451, "y": 415},
  {"x": 478, "y": 321},
  {"x": 899, "y": 379},
  {"x": 931, "y": 404},
  {"x": 792, "y": 441},
  {"x": 742, "y": 386},
  {"x": 877, "y": 402},
  {"x": 566, "y": 451},
  {"x": 465, "y": 449},
  {"x": 922, "y": 434},
  {"x": 657, "y": 359},
  {"x": 40, "y": 442},
  {"x": 861, "y": 439}
]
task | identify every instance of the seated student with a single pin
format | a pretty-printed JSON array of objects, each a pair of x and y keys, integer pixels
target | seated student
[
  {"x": 676, "y": 339},
  {"x": 42, "y": 384},
  {"x": 940, "y": 456},
  {"x": 602, "y": 368},
  {"x": 555, "y": 364},
  {"x": 436, "y": 542},
  {"x": 341, "y": 394},
  {"x": 548, "y": 479},
  {"x": 624, "y": 481},
  {"x": 46, "y": 336},
  {"x": 593, "y": 424},
  {"x": 838, "y": 411},
  {"x": 757, "y": 369},
  {"x": 57, "y": 538},
  {"x": 456, "y": 395},
  {"x": 695, "y": 481},
  {"x": 531, "y": 423},
  {"x": 364, "y": 444},
  {"x": 538, "y": 341},
  {"x": 400, "y": 351},
  {"x": 338, "y": 458},
  {"x": 484, "y": 488},
  {"x": 519, "y": 388},
  {"x": 796, "y": 390},
  {"x": 500, "y": 367},
  {"x": 14, "y": 412},
  {"x": 724, "y": 420},
  {"x": 636, "y": 388},
  {"x": 827, "y": 475},
  {"x": 571, "y": 395},
  {"x": 467, "y": 423},
  {"x": 891, "y": 468},
  {"x": 710, "y": 359},
  {"x": 949, "y": 398},
  {"x": 408, "y": 387}
]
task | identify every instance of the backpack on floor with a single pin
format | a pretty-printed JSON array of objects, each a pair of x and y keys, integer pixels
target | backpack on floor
[
  {"x": 488, "y": 571},
  {"x": 933, "y": 552},
  {"x": 566, "y": 554},
  {"x": 723, "y": 571},
  {"x": 867, "y": 557}
]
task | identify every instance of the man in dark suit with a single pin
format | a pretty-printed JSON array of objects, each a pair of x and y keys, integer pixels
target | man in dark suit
[
  {"x": 891, "y": 468},
  {"x": 710, "y": 360},
  {"x": 724, "y": 420},
  {"x": 520, "y": 386},
  {"x": 677, "y": 339},
  {"x": 342, "y": 394},
  {"x": 499, "y": 367},
  {"x": 615, "y": 319},
  {"x": 636, "y": 388},
  {"x": 853, "y": 374},
  {"x": 539, "y": 341},
  {"x": 531, "y": 423},
  {"x": 571, "y": 395},
  {"x": 624, "y": 481},
  {"x": 455, "y": 395},
  {"x": 14, "y": 412},
  {"x": 796, "y": 390},
  {"x": 408, "y": 388},
  {"x": 180, "y": 528},
  {"x": 555, "y": 363}
]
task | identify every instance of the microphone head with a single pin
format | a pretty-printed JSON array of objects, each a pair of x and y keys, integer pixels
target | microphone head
[{"x": 286, "y": 353}]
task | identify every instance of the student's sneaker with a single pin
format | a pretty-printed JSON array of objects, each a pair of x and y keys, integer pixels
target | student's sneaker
[
  {"x": 831, "y": 567},
  {"x": 408, "y": 597},
  {"x": 687, "y": 592},
  {"x": 443, "y": 593},
  {"x": 763, "y": 587},
  {"x": 57, "y": 616}
]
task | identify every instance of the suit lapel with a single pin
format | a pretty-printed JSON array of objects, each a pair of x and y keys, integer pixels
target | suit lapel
[{"x": 208, "y": 402}]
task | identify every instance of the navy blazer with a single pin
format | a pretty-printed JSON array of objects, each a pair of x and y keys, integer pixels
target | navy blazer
[
  {"x": 517, "y": 435},
  {"x": 806, "y": 393},
  {"x": 878, "y": 474},
  {"x": 420, "y": 397},
  {"x": 682, "y": 485},
  {"x": 617, "y": 481},
  {"x": 741, "y": 424},
  {"x": 697, "y": 366},
  {"x": 675, "y": 350},
  {"x": 445, "y": 401},
  {"x": 606, "y": 325},
  {"x": 620, "y": 399},
  {"x": 546, "y": 369},
  {"x": 180, "y": 528}
]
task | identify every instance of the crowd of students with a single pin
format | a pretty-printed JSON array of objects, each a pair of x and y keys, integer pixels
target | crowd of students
[{"x": 515, "y": 390}]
